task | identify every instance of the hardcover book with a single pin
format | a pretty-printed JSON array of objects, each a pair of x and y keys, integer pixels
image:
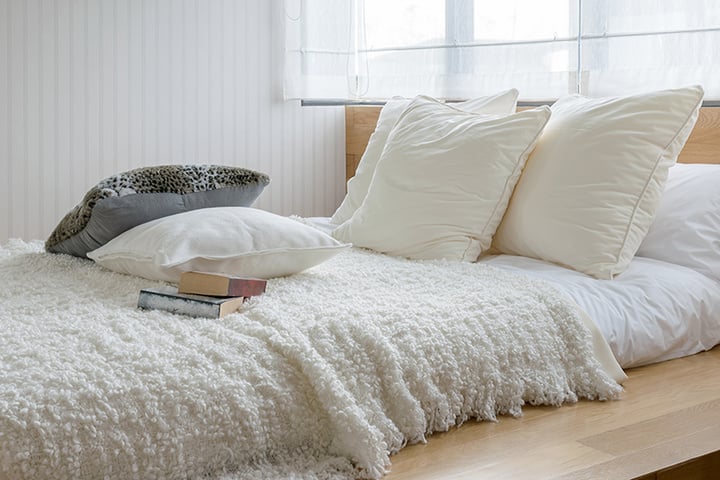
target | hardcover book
[
  {"x": 220, "y": 284},
  {"x": 170, "y": 300}
]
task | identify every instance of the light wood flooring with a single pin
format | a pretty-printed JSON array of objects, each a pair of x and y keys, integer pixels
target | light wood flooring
[{"x": 665, "y": 427}]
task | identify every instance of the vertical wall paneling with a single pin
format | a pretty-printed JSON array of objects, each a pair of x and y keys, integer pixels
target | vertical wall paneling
[
  {"x": 175, "y": 79},
  {"x": 31, "y": 96},
  {"x": 17, "y": 98},
  {"x": 250, "y": 63},
  {"x": 89, "y": 88},
  {"x": 188, "y": 79},
  {"x": 46, "y": 132},
  {"x": 240, "y": 147},
  {"x": 75, "y": 178},
  {"x": 93, "y": 79},
  {"x": 227, "y": 61},
  {"x": 121, "y": 90},
  {"x": 165, "y": 81},
  {"x": 5, "y": 118},
  {"x": 58, "y": 188},
  {"x": 202, "y": 89},
  {"x": 136, "y": 120}
]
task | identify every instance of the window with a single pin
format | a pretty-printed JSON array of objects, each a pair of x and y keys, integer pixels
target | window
[{"x": 361, "y": 49}]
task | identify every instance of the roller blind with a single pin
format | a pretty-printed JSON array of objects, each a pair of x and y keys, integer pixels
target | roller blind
[{"x": 366, "y": 49}]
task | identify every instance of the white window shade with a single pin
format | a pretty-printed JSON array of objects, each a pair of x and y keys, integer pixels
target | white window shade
[
  {"x": 320, "y": 48},
  {"x": 640, "y": 45},
  {"x": 364, "y": 49}
]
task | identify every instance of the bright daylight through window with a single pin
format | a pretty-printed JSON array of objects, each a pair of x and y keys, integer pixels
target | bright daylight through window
[{"x": 362, "y": 49}]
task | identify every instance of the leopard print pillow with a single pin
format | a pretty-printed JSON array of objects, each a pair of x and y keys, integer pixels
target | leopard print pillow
[{"x": 128, "y": 199}]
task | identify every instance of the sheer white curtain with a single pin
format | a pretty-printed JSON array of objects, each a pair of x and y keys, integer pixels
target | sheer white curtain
[
  {"x": 363, "y": 49},
  {"x": 629, "y": 46}
]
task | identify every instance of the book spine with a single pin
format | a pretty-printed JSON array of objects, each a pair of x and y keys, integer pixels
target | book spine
[
  {"x": 182, "y": 306},
  {"x": 245, "y": 288}
]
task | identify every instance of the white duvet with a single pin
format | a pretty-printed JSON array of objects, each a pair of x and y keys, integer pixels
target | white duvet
[
  {"x": 653, "y": 311},
  {"x": 324, "y": 376}
]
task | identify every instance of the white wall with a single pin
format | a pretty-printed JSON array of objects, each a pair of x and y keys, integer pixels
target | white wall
[{"x": 89, "y": 88}]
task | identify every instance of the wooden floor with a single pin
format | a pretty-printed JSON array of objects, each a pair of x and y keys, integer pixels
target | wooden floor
[{"x": 665, "y": 427}]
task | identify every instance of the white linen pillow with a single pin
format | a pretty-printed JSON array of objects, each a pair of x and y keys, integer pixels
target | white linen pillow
[
  {"x": 686, "y": 229},
  {"x": 234, "y": 240},
  {"x": 590, "y": 189},
  {"x": 443, "y": 181},
  {"x": 502, "y": 103}
]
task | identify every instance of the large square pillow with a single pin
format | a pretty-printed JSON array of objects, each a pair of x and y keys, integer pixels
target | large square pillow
[
  {"x": 686, "y": 229},
  {"x": 443, "y": 181},
  {"x": 233, "y": 240},
  {"x": 590, "y": 189},
  {"x": 502, "y": 103},
  {"x": 120, "y": 202}
]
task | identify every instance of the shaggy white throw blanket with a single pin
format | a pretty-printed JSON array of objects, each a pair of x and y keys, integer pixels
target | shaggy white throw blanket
[{"x": 324, "y": 376}]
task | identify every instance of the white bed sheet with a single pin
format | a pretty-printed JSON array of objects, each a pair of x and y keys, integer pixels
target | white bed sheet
[{"x": 652, "y": 312}]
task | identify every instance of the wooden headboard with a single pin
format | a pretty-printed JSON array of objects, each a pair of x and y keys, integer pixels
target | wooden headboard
[{"x": 703, "y": 146}]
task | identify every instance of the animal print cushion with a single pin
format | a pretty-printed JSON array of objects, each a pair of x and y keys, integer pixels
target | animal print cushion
[{"x": 127, "y": 199}]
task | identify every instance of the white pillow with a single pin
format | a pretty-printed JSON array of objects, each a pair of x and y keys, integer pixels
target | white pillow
[
  {"x": 686, "y": 230},
  {"x": 234, "y": 240},
  {"x": 501, "y": 104},
  {"x": 443, "y": 181},
  {"x": 590, "y": 189}
]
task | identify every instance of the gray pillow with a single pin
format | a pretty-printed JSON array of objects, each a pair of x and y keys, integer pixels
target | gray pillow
[{"x": 125, "y": 200}]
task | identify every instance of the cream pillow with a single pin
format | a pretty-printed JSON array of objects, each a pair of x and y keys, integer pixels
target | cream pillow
[
  {"x": 501, "y": 104},
  {"x": 590, "y": 189},
  {"x": 234, "y": 240},
  {"x": 443, "y": 181}
]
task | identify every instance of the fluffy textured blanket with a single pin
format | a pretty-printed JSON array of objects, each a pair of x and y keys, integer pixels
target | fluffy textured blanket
[{"x": 324, "y": 376}]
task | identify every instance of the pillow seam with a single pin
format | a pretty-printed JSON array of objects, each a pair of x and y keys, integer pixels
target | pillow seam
[
  {"x": 518, "y": 169},
  {"x": 647, "y": 183}
]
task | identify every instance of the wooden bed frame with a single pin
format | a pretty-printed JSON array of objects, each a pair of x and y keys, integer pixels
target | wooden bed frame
[
  {"x": 703, "y": 146},
  {"x": 665, "y": 427}
]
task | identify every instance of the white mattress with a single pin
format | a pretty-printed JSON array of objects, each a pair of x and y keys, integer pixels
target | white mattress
[{"x": 652, "y": 312}]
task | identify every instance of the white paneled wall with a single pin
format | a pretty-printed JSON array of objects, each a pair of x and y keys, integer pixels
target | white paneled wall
[{"x": 89, "y": 88}]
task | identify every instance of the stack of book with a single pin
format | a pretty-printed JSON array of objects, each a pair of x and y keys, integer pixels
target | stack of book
[{"x": 202, "y": 294}]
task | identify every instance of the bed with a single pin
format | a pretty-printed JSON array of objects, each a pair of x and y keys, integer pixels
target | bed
[
  {"x": 336, "y": 367},
  {"x": 661, "y": 429}
]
